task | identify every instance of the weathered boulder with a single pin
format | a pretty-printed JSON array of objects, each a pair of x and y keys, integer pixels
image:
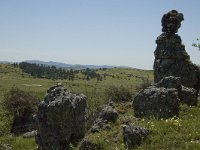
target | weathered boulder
[
  {"x": 171, "y": 58},
  {"x": 170, "y": 82},
  {"x": 60, "y": 119},
  {"x": 108, "y": 114},
  {"x": 100, "y": 124},
  {"x": 186, "y": 95},
  {"x": 189, "y": 96},
  {"x": 133, "y": 135},
  {"x": 171, "y": 21},
  {"x": 156, "y": 101},
  {"x": 160, "y": 100}
]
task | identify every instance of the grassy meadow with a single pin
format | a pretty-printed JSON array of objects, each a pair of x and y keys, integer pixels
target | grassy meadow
[{"x": 180, "y": 132}]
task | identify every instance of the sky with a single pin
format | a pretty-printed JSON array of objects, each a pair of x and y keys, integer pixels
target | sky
[{"x": 98, "y": 32}]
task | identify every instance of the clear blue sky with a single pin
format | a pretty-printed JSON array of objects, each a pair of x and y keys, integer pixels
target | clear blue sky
[{"x": 110, "y": 32}]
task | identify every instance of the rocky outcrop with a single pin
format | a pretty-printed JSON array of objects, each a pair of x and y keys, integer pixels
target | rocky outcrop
[
  {"x": 186, "y": 95},
  {"x": 176, "y": 77},
  {"x": 171, "y": 21},
  {"x": 189, "y": 96},
  {"x": 60, "y": 118},
  {"x": 171, "y": 58},
  {"x": 133, "y": 135},
  {"x": 156, "y": 101},
  {"x": 108, "y": 114},
  {"x": 162, "y": 99},
  {"x": 170, "y": 82}
]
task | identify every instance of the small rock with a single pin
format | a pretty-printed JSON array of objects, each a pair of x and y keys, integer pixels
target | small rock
[
  {"x": 189, "y": 96},
  {"x": 158, "y": 102},
  {"x": 29, "y": 134},
  {"x": 109, "y": 114},
  {"x": 133, "y": 135}
]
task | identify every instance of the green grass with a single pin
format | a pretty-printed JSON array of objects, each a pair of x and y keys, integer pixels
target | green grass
[
  {"x": 19, "y": 143},
  {"x": 93, "y": 89},
  {"x": 182, "y": 132},
  {"x": 24, "y": 144},
  {"x": 176, "y": 133}
]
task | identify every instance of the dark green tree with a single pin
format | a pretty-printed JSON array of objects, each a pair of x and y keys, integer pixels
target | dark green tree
[{"x": 22, "y": 105}]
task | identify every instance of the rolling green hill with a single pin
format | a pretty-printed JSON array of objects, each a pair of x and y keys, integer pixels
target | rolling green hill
[
  {"x": 93, "y": 89},
  {"x": 181, "y": 132}
]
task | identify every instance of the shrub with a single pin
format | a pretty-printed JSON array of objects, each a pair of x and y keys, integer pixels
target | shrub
[
  {"x": 118, "y": 94},
  {"x": 145, "y": 83},
  {"x": 22, "y": 105}
]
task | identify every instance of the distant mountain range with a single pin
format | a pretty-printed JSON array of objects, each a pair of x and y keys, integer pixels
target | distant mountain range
[{"x": 68, "y": 66}]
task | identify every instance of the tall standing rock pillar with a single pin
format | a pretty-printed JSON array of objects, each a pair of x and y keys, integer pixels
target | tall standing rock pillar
[{"x": 171, "y": 58}]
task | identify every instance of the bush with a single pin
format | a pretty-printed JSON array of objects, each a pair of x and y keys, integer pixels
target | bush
[
  {"x": 145, "y": 83},
  {"x": 118, "y": 94},
  {"x": 22, "y": 105}
]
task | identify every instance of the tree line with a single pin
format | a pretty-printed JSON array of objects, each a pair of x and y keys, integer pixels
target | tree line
[
  {"x": 52, "y": 72},
  {"x": 91, "y": 74},
  {"x": 43, "y": 71}
]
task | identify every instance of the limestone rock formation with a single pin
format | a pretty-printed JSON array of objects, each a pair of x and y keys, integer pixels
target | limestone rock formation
[
  {"x": 61, "y": 119},
  {"x": 186, "y": 95},
  {"x": 156, "y": 101},
  {"x": 133, "y": 135},
  {"x": 171, "y": 21},
  {"x": 176, "y": 77},
  {"x": 162, "y": 99},
  {"x": 171, "y": 58},
  {"x": 189, "y": 96},
  {"x": 108, "y": 114},
  {"x": 170, "y": 82}
]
